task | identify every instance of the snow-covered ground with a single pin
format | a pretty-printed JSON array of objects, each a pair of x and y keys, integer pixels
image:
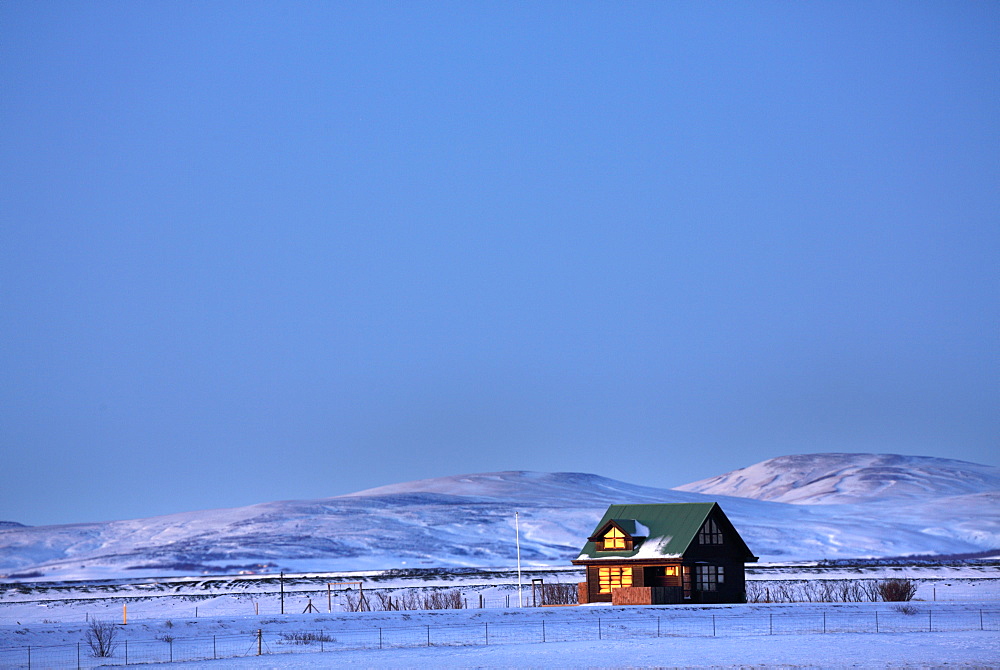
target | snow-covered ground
[
  {"x": 856, "y": 635},
  {"x": 966, "y": 581},
  {"x": 911, "y": 650},
  {"x": 199, "y": 618}
]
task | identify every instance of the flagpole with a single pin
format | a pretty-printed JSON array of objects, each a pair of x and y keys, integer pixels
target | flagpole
[{"x": 517, "y": 537}]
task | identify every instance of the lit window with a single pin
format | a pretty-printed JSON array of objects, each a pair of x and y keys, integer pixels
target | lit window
[
  {"x": 614, "y": 578},
  {"x": 614, "y": 539},
  {"x": 670, "y": 571},
  {"x": 708, "y": 577},
  {"x": 710, "y": 533}
]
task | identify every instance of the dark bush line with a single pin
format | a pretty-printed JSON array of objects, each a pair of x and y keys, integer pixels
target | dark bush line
[{"x": 831, "y": 591}]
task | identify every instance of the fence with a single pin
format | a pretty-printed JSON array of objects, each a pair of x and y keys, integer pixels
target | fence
[
  {"x": 582, "y": 626},
  {"x": 141, "y": 607}
]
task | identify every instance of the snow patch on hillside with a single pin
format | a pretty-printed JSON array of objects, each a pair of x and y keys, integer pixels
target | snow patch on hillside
[{"x": 815, "y": 479}]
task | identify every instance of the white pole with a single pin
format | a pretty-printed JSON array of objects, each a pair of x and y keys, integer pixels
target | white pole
[{"x": 517, "y": 536}]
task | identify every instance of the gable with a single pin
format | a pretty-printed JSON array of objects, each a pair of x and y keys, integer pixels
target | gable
[
  {"x": 631, "y": 527},
  {"x": 669, "y": 530}
]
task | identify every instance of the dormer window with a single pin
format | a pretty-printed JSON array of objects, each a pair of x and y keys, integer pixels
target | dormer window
[
  {"x": 619, "y": 535},
  {"x": 614, "y": 539},
  {"x": 710, "y": 533}
]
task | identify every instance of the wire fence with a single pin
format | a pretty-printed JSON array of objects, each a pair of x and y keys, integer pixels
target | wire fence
[
  {"x": 589, "y": 627},
  {"x": 159, "y": 606}
]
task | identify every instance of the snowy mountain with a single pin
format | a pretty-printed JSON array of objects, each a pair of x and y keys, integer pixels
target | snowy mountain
[
  {"x": 814, "y": 479},
  {"x": 468, "y": 520}
]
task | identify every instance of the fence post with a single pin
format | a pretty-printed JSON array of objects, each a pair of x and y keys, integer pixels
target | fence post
[
  {"x": 713, "y": 625},
  {"x": 29, "y": 658},
  {"x": 876, "y": 621},
  {"x": 487, "y": 633},
  {"x": 214, "y": 653},
  {"x": 824, "y": 621},
  {"x": 980, "y": 628},
  {"x": 598, "y": 628},
  {"x": 543, "y": 630},
  {"x": 260, "y": 640},
  {"x": 657, "y": 626},
  {"x": 126, "y": 652},
  {"x": 930, "y": 621},
  {"x": 379, "y": 638},
  {"x": 171, "y": 643},
  {"x": 428, "y": 636},
  {"x": 77, "y": 656},
  {"x": 770, "y": 623}
]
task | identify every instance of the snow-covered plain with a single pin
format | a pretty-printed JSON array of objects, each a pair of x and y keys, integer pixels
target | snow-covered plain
[
  {"x": 801, "y": 635},
  {"x": 206, "y": 616},
  {"x": 820, "y": 506},
  {"x": 911, "y": 650}
]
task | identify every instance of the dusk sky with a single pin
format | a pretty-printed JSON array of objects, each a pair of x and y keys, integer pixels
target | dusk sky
[{"x": 254, "y": 251}]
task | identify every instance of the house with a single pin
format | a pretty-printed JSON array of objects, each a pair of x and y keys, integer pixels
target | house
[{"x": 660, "y": 554}]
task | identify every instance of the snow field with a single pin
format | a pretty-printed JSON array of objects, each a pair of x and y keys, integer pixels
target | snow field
[
  {"x": 196, "y": 620},
  {"x": 915, "y": 650},
  {"x": 374, "y": 638}
]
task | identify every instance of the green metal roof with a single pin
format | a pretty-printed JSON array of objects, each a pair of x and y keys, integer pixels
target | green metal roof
[{"x": 672, "y": 529}]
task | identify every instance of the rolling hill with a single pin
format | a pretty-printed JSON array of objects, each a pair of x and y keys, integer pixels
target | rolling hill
[{"x": 791, "y": 508}]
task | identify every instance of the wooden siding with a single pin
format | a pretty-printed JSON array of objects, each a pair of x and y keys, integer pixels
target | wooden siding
[
  {"x": 649, "y": 595},
  {"x": 632, "y": 595}
]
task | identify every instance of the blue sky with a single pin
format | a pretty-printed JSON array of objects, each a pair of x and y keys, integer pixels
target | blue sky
[{"x": 254, "y": 251}]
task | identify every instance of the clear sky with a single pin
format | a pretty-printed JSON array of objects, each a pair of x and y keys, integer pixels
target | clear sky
[{"x": 253, "y": 251}]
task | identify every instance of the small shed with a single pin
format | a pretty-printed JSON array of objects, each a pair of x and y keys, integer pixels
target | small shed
[{"x": 665, "y": 553}]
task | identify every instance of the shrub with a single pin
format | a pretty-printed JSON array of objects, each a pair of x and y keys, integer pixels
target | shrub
[
  {"x": 558, "y": 594},
  {"x": 897, "y": 590},
  {"x": 906, "y": 609},
  {"x": 306, "y": 638},
  {"x": 872, "y": 590},
  {"x": 414, "y": 600},
  {"x": 754, "y": 592},
  {"x": 101, "y": 637}
]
